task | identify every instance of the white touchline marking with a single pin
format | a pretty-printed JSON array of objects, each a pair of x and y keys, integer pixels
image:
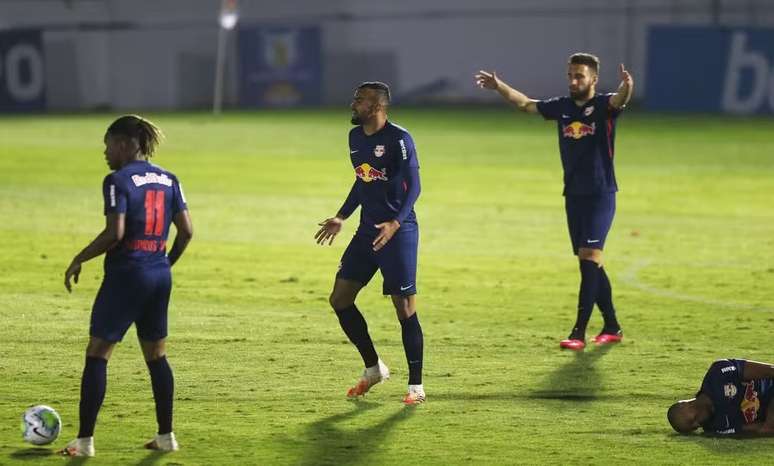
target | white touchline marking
[{"x": 629, "y": 277}]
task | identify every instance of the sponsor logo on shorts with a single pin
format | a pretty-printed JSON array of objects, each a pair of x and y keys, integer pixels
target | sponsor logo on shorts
[
  {"x": 151, "y": 178},
  {"x": 368, "y": 173},
  {"x": 590, "y": 241},
  {"x": 404, "y": 288}
]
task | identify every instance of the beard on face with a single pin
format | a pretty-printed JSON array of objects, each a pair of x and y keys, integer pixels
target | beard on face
[
  {"x": 356, "y": 120},
  {"x": 581, "y": 94}
]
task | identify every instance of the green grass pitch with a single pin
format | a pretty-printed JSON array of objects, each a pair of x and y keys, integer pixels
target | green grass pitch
[{"x": 261, "y": 365}]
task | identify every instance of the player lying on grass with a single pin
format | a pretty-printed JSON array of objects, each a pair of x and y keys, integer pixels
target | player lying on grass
[{"x": 735, "y": 398}]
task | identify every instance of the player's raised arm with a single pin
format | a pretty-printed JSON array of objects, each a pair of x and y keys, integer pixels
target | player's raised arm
[
  {"x": 490, "y": 80},
  {"x": 625, "y": 89}
]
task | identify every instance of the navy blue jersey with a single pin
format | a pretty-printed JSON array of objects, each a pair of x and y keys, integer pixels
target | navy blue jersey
[
  {"x": 150, "y": 197},
  {"x": 735, "y": 401},
  {"x": 586, "y": 142},
  {"x": 382, "y": 162}
]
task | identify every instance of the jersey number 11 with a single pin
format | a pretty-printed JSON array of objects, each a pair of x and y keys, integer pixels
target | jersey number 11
[{"x": 154, "y": 213}]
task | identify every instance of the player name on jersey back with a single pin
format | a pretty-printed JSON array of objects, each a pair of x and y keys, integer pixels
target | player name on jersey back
[{"x": 151, "y": 177}]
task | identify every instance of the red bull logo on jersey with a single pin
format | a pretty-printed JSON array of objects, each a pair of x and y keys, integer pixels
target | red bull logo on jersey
[
  {"x": 750, "y": 403},
  {"x": 577, "y": 130},
  {"x": 368, "y": 173}
]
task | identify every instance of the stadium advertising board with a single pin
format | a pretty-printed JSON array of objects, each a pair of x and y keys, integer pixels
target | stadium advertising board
[
  {"x": 280, "y": 66},
  {"x": 22, "y": 73},
  {"x": 710, "y": 69}
]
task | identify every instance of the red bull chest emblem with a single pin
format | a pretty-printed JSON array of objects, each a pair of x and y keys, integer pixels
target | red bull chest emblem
[
  {"x": 750, "y": 403},
  {"x": 379, "y": 150},
  {"x": 577, "y": 130},
  {"x": 368, "y": 173}
]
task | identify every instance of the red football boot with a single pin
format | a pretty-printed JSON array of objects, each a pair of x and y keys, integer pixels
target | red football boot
[
  {"x": 608, "y": 338},
  {"x": 572, "y": 344}
]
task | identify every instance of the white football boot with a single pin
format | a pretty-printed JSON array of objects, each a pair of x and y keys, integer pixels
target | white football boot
[
  {"x": 79, "y": 447},
  {"x": 371, "y": 376},
  {"x": 163, "y": 442},
  {"x": 415, "y": 395}
]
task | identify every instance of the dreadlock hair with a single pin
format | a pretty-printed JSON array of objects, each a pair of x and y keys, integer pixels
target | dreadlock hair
[{"x": 147, "y": 134}]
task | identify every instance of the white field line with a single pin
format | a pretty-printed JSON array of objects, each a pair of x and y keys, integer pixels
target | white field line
[{"x": 630, "y": 277}]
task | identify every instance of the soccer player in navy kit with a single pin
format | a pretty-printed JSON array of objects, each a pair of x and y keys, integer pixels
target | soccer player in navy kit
[
  {"x": 386, "y": 187},
  {"x": 736, "y": 397},
  {"x": 586, "y": 127},
  {"x": 141, "y": 201}
]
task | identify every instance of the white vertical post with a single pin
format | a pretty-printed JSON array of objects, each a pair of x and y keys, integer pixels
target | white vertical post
[
  {"x": 220, "y": 63},
  {"x": 228, "y": 20}
]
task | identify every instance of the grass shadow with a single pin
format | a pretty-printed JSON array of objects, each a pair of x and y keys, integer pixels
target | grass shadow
[
  {"x": 153, "y": 457},
  {"x": 577, "y": 380},
  {"x": 724, "y": 444},
  {"x": 31, "y": 454},
  {"x": 326, "y": 442}
]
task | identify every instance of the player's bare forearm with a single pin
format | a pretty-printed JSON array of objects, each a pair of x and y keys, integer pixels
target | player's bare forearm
[
  {"x": 178, "y": 247},
  {"x": 625, "y": 89},
  {"x": 622, "y": 96},
  {"x": 518, "y": 99},
  {"x": 184, "y": 226},
  {"x": 104, "y": 241},
  {"x": 754, "y": 370}
]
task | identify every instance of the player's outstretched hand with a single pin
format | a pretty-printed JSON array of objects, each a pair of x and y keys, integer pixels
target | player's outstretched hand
[
  {"x": 487, "y": 80},
  {"x": 72, "y": 272},
  {"x": 330, "y": 228},
  {"x": 625, "y": 76},
  {"x": 386, "y": 230}
]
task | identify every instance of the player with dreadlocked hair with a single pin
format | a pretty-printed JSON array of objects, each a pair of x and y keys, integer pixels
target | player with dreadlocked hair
[{"x": 141, "y": 201}]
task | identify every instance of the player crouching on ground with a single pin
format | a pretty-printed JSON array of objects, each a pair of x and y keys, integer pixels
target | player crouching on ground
[{"x": 735, "y": 398}]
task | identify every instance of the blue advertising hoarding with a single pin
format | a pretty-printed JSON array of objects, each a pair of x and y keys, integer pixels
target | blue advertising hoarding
[
  {"x": 280, "y": 66},
  {"x": 22, "y": 73},
  {"x": 710, "y": 69}
]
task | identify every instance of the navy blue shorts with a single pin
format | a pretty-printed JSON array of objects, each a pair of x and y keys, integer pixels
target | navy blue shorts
[
  {"x": 397, "y": 261},
  {"x": 132, "y": 295},
  {"x": 589, "y": 219}
]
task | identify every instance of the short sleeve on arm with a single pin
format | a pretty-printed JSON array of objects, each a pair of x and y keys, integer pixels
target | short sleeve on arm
[
  {"x": 408, "y": 151},
  {"x": 114, "y": 195},
  {"x": 550, "y": 109},
  {"x": 178, "y": 203}
]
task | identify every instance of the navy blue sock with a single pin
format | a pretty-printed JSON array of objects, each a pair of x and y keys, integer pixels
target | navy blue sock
[
  {"x": 587, "y": 295},
  {"x": 605, "y": 303},
  {"x": 413, "y": 343},
  {"x": 93, "y": 385},
  {"x": 163, "y": 383},
  {"x": 356, "y": 329}
]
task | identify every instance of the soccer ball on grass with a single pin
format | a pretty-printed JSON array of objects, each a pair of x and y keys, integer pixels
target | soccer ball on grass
[{"x": 40, "y": 425}]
